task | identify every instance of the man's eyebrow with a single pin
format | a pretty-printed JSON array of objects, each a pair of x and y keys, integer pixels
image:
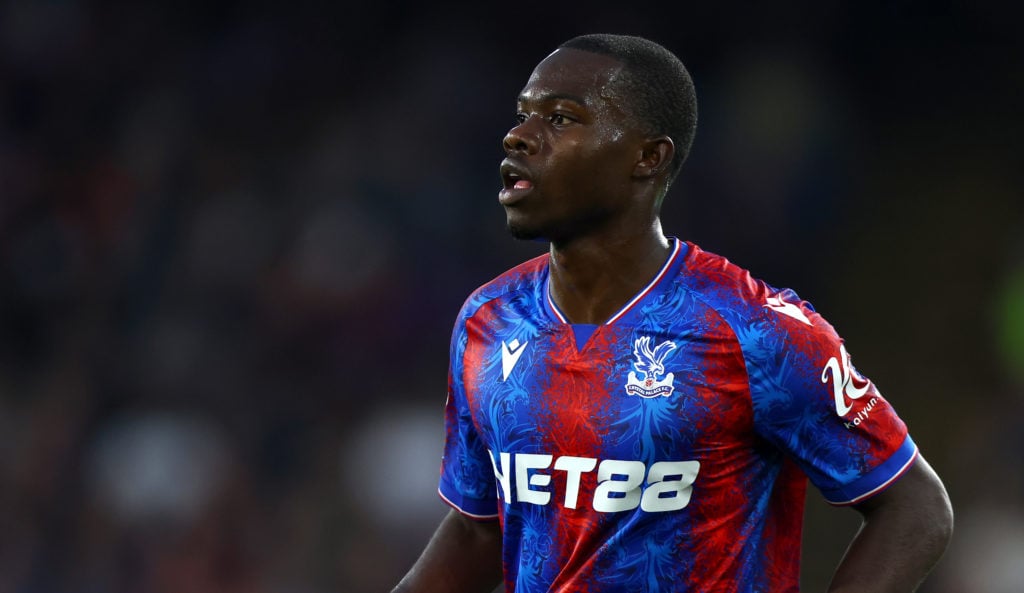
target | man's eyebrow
[{"x": 548, "y": 97}]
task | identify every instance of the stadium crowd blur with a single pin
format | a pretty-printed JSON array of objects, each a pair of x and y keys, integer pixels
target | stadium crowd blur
[{"x": 233, "y": 241}]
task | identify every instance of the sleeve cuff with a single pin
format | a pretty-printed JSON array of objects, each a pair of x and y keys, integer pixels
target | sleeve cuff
[
  {"x": 876, "y": 480},
  {"x": 480, "y": 510}
]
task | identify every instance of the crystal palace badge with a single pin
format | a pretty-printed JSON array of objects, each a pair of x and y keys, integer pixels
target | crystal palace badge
[{"x": 650, "y": 366}]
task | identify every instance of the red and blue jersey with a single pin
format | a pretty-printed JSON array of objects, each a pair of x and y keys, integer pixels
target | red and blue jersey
[{"x": 667, "y": 449}]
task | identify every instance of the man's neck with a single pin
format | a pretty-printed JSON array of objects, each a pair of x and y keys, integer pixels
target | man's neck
[{"x": 593, "y": 278}]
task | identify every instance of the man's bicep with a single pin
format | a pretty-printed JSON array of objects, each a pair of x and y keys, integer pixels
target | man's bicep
[
  {"x": 463, "y": 556},
  {"x": 919, "y": 488},
  {"x": 906, "y": 530}
]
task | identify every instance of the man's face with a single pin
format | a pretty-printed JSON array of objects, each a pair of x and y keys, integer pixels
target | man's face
[{"x": 572, "y": 155}]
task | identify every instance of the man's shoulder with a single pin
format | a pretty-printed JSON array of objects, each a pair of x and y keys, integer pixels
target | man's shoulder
[
  {"x": 525, "y": 277},
  {"x": 744, "y": 300},
  {"x": 719, "y": 282}
]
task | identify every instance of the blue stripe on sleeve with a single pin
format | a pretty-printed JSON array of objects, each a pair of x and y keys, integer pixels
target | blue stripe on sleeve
[{"x": 877, "y": 479}]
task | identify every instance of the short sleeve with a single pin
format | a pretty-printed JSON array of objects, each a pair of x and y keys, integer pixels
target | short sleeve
[
  {"x": 467, "y": 477},
  {"x": 812, "y": 403}
]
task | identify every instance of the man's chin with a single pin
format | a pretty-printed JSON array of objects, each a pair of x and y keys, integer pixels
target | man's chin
[{"x": 522, "y": 233}]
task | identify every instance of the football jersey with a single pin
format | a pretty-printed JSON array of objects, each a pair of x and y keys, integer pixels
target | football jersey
[{"x": 667, "y": 449}]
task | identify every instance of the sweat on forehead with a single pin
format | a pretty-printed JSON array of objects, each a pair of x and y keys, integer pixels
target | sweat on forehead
[{"x": 575, "y": 75}]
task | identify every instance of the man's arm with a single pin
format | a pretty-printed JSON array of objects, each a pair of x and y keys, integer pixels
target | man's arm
[
  {"x": 906, "y": 529},
  {"x": 463, "y": 556}
]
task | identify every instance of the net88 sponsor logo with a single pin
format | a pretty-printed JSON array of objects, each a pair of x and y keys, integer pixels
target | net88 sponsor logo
[{"x": 621, "y": 485}]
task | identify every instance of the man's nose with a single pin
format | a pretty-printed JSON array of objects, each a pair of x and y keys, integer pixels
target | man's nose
[{"x": 522, "y": 138}]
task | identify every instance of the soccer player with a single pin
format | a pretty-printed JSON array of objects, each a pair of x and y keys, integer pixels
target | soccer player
[{"x": 629, "y": 412}]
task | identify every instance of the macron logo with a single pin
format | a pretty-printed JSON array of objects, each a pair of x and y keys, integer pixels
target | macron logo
[
  {"x": 510, "y": 354},
  {"x": 780, "y": 306}
]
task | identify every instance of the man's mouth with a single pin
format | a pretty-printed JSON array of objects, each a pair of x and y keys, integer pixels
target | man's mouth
[{"x": 515, "y": 183}]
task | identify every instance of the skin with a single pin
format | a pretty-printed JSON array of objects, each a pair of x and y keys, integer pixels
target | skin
[
  {"x": 906, "y": 529},
  {"x": 595, "y": 184},
  {"x": 582, "y": 176},
  {"x": 462, "y": 556}
]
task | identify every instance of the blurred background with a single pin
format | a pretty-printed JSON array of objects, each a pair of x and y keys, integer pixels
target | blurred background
[{"x": 234, "y": 238}]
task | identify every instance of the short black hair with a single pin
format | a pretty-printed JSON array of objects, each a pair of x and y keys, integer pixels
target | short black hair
[{"x": 657, "y": 87}]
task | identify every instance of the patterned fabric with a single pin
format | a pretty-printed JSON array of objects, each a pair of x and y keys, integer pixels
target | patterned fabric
[{"x": 670, "y": 451}]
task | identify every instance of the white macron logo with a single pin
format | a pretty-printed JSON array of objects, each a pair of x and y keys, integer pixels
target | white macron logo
[
  {"x": 510, "y": 354},
  {"x": 776, "y": 303}
]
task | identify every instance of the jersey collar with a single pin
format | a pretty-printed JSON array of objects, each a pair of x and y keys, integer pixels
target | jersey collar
[{"x": 671, "y": 263}]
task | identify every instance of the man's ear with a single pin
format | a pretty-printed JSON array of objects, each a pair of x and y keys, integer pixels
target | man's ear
[{"x": 655, "y": 157}]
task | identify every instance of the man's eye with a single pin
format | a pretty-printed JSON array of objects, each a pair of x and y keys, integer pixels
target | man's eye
[
  {"x": 558, "y": 119},
  {"x": 520, "y": 117}
]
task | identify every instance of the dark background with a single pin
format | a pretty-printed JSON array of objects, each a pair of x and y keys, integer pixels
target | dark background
[{"x": 234, "y": 238}]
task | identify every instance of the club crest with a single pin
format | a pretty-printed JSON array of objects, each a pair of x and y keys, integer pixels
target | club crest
[{"x": 648, "y": 378}]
